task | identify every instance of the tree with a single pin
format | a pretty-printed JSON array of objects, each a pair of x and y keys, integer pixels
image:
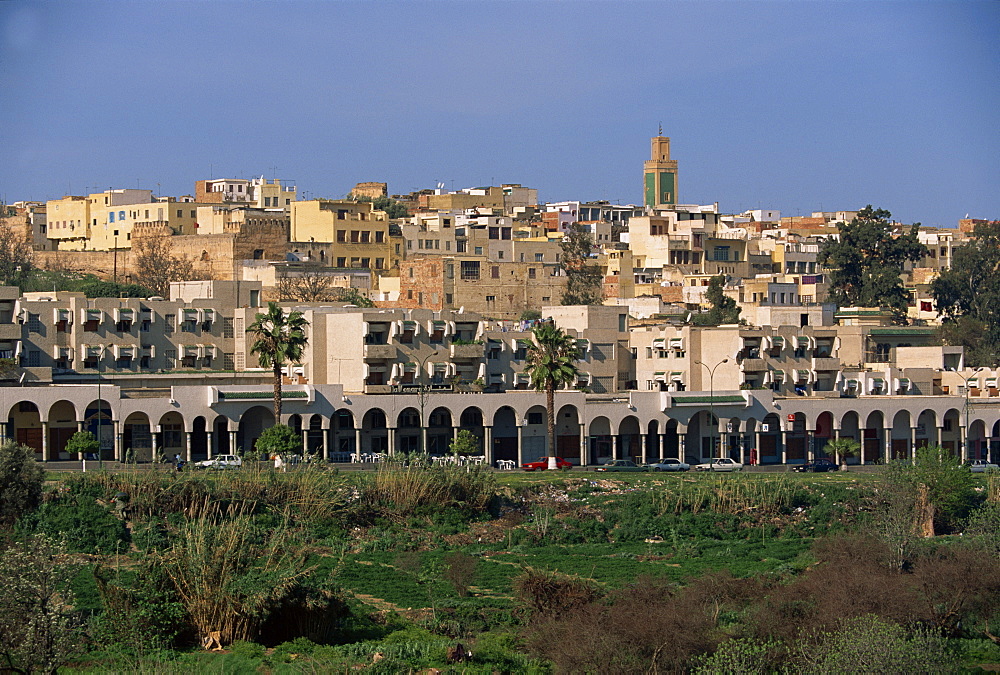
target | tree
[
  {"x": 967, "y": 296},
  {"x": 354, "y": 297},
  {"x": 20, "y": 482},
  {"x": 83, "y": 443},
  {"x": 942, "y": 487},
  {"x": 465, "y": 444},
  {"x": 15, "y": 251},
  {"x": 39, "y": 629},
  {"x": 842, "y": 448},
  {"x": 551, "y": 361},
  {"x": 393, "y": 209},
  {"x": 279, "y": 339},
  {"x": 583, "y": 279},
  {"x": 724, "y": 309},
  {"x": 866, "y": 262},
  {"x": 156, "y": 266},
  {"x": 280, "y": 439},
  {"x": 310, "y": 283}
]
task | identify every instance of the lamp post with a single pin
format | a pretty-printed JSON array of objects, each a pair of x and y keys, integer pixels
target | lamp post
[
  {"x": 965, "y": 447},
  {"x": 711, "y": 404},
  {"x": 423, "y": 398}
]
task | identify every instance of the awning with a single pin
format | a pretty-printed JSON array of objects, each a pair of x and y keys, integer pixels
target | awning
[
  {"x": 801, "y": 375},
  {"x": 904, "y": 383},
  {"x": 522, "y": 377},
  {"x": 778, "y": 375},
  {"x": 660, "y": 376},
  {"x": 851, "y": 384},
  {"x": 802, "y": 340},
  {"x": 677, "y": 343},
  {"x": 658, "y": 343},
  {"x": 778, "y": 341},
  {"x": 974, "y": 382},
  {"x": 677, "y": 376},
  {"x": 582, "y": 344},
  {"x": 991, "y": 382}
]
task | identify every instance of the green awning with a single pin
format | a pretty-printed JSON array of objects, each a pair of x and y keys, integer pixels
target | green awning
[
  {"x": 974, "y": 382},
  {"x": 677, "y": 375},
  {"x": 778, "y": 374},
  {"x": 658, "y": 343},
  {"x": 778, "y": 341},
  {"x": 802, "y": 340}
]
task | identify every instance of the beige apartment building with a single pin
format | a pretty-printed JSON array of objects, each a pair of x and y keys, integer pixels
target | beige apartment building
[{"x": 358, "y": 234}]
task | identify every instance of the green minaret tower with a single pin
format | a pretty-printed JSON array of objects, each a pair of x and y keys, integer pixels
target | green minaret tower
[{"x": 660, "y": 186}]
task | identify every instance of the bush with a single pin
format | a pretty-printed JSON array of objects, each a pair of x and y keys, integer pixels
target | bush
[
  {"x": 84, "y": 525},
  {"x": 20, "y": 482},
  {"x": 280, "y": 439}
]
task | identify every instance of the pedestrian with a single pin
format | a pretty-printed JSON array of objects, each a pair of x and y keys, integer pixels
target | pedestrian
[
  {"x": 179, "y": 462},
  {"x": 279, "y": 464}
]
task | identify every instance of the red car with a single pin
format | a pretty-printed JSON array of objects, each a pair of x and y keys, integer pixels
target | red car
[{"x": 543, "y": 463}]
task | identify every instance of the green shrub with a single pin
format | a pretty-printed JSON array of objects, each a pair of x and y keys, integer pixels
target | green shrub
[
  {"x": 85, "y": 525},
  {"x": 20, "y": 482}
]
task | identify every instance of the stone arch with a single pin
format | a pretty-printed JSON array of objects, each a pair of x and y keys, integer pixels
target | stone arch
[
  {"x": 98, "y": 419},
  {"x": 534, "y": 434},
  {"x": 375, "y": 432},
  {"x": 900, "y": 436},
  {"x": 671, "y": 444},
  {"x": 796, "y": 439},
  {"x": 630, "y": 439},
  {"x": 873, "y": 445},
  {"x": 651, "y": 450},
  {"x": 951, "y": 431},
  {"x": 253, "y": 422},
  {"x": 505, "y": 434},
  {"x": 568, "y": 434},
  {"x": 199, "y": 439},
  {"x": 770, "y": 449},
  {"x": 823, "y": 433},
  {"x": 408, "y": 431},
  {"x": 62, "y": 418},
  {"x": 977, "y": 440},
  {"x": 439, "y": 431},
  {"x": 344, "y": 436},
  {"x": 315, "y": 436},
  {"x": 136, "y": 436},
  {"x": 601, "y": 443},
  {"x": 850, "y": 427},
  {"x": 223, "y": 441},
  {"x": 927, "y": 429},
  {"x": 471, "y": 420}
]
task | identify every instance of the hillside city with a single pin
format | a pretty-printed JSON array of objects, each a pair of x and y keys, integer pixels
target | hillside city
[{"x": 702, "y": 335}]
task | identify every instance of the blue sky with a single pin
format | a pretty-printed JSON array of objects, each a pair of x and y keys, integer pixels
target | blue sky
[{"x": 797, "y": 106}]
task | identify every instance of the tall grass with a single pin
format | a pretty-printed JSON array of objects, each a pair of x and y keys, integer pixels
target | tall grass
[
  {"x": 400, "y": 490},
  {"x": 732, "y": 495},
  {"x": 229, "y": 573}
]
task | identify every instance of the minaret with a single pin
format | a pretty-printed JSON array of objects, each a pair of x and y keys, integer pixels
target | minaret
[{"x": 660, "y": 175}]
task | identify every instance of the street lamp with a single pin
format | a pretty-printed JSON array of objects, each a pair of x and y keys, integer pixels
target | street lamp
[
  {"x": 423, "y": 398},
  {"x": 967, "y": 425},
  {"x": 711, "y": 404}
]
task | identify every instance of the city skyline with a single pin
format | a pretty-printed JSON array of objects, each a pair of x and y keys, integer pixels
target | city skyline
[{"x": 797, "y": 107}]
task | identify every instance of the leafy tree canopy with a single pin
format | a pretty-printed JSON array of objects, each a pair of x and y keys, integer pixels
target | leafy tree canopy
[
  {"x": 583, "y": 283},
  {"x": 866, "y": 262},
  {"x": 280, "y": 439},
  {"x": 724, "y": 309},
  {"x": 392, "y": 208},
  {"x": 968, "y": 296}
]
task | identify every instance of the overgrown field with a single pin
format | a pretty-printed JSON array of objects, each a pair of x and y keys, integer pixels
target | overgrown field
[{"x": 415, "y": 567}]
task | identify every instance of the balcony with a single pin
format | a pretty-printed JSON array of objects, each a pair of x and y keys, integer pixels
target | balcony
[
  {"x": 753, "y": 365},
  {"x": 827, "y": 363},
  {"x": 473, "y": 351},
  {"x": 381, "y": 352}
]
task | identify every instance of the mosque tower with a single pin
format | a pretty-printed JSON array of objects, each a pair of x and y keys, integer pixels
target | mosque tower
[{"x": 660, "y": 186}]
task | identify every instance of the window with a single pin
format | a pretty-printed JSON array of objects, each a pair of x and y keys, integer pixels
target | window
[
  {"x": 491, "y": 298},
  {"x": 34, "y": 359},
  {"x": 366, "y": 237},
  {"x": 448, "y": 298},
  {"x": 535, "y": 418},
  {"x": 495, "y": 272},
  {"x": 379, "y": 263},
  {"x": 34, "y": 323},
  {"x": 470, "y": 270},
  {"x": 539, "y": 257},
  {"x": 479, "y": 250},
  {"x": 341, "y": 236},
  {"x": 531, "y": 272},
  {"x": 341, "y": 214},
  {"x": 379, "y": 237},
  {"x": 255, "y": 298},
  {"x": 341, "y": 262},
  {"x": 721, "y": 253},
  {"x": 355, "y": 236},
  {"x": 258, "y": 254},
  {"x": 499, "y": 255}
]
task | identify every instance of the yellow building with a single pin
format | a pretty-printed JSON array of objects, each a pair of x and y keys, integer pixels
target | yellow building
[{"x": 359, "y": 234}]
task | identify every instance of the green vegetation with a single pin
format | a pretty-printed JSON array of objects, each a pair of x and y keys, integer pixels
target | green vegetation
[
  {"x": 551, "y": 360},
  {"x": 583, "y": 275},
  {"x": 20, "y": 482},
  {"x": 724, "y": 309},
  {"x": 413, "y": 565},
  {"x": 279, "y": 338},
  {"x": 968, "y": 296},
  {"x": 866, "y": 261}
]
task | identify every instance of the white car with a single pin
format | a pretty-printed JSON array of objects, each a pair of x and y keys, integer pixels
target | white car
[
  {"x": 982, "y": 466},
  {"x": 667, "y": 464},
  {"x": 720, "y": 464},
  {"x": 220, "y": 462}
]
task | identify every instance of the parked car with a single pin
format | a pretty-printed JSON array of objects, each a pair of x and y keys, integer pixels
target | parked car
[
  {"x": 220, "y": 462},
  {"x": 982, "y": 466},
  {"x": 817, "y": 465},
  {"x": 543, "y": 463},
  {"x": 667, "y": 464},
  {"x": 621, "y": 465},
  {"x": 720, "y": 464}
]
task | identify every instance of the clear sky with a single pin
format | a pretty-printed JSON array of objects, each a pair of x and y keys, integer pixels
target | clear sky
[{"x": 796, "y": 106}]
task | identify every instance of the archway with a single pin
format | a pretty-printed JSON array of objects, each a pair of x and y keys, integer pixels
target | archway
[
  {"x": 769, "y": 441},
  {"x": 977, "y": 440},
  {"x": 62, "y": 425},
  {"x": 471, "y": 420},
  {"x": 408, "y": 431},
  {"x": 600, "y": 440},
  {"x": 951, "y": 432},
  {"x": 671, "y": 440},
  {"x": 652, "y": 449},
  {"x": 26, "y": 422},
  {"x": 343, "y": 441},
  {"x": 314, "y": 437},
  {"x": 252, "y": 424},
  {"x": 796, "y": 439},
  {"x": 824, "y": 432},
  {"x": 137, "y": 438},
  {"x": 222, "y": 437},
  {"x": 374, "y": 432},
  {"x": 199, "y": 439},
  {"x": 534, "y": 435},
  {"x": 568, "y": 434},
  {"x": 630, "y": 440},
  {"x": 873, "y": 445},
  {"x": 850, "y": 427},
  {"x": 927, "y": 431},
  {"x": 899, "y": 436},
  {"x": 505, "y": 434},
  {"x": 439, "y": 431},
  {"x": 98, "y": 421}
]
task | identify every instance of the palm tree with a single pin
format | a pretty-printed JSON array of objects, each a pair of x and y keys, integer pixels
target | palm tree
[
  {"x": 551, "y": 361},
  {"x": 279, "y": 339}
]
